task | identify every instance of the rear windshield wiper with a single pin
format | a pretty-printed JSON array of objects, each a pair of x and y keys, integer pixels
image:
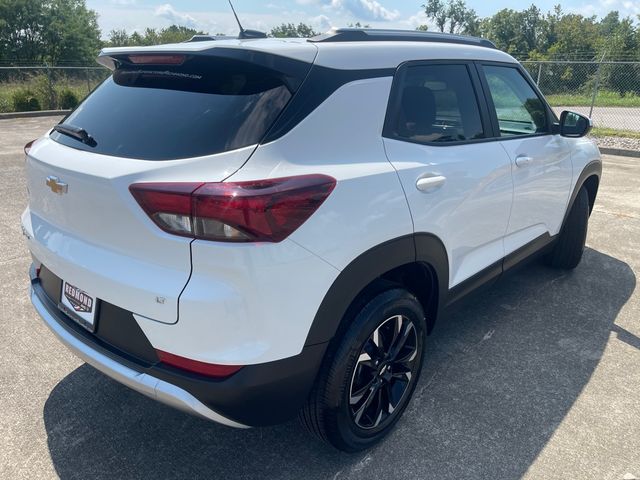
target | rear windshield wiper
[{"x": 78, "y": 133}]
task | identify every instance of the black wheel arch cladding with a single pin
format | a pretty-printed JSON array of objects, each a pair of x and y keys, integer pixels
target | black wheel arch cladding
[
  {"x": 369, "y": 268},
  {"x": 590, "y": 179}
]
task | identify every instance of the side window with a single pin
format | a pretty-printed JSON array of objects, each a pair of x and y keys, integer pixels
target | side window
[
  {"x": 520, "y": 111},
  {"x": 437, "y": 104}
]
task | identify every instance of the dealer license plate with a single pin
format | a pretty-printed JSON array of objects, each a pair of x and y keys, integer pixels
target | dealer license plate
[{"x": 79, "y": 305}]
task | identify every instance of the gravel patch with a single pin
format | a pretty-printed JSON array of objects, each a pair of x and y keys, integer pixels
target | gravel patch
[{"x": 618, "y": 142}]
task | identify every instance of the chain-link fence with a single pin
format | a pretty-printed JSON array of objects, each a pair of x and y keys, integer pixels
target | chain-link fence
[
  {"x": 608, "y": 92},
  {"x": 31, "y": 88}
]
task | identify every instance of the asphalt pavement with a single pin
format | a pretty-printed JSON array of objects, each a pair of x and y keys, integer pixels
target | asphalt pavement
[{"x": 538, "y": 378}]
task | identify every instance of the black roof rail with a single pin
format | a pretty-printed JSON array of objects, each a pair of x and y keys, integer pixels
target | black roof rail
[{"x": 381, "y": 35}]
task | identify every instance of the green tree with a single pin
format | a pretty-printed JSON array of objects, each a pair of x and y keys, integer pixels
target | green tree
[
  {"x": 472, "y": 24},
  {"x": 513, "y": 31},
  {"x": 609, "y": 24},
  {"x": 437, "y": 11},
  {"x": 70, "y": 32},
  {"x": 533, "y": 31},
  {"x": 452, "y": 16},
  {"x": 619, "y": 40},
  {"x": 151, "y": 36},
  {"x": 52, "y": 30},
  {"x": 119, "y": 38},
  {"x": 176, "y": 34},
  {"x": 136, "y": 39},
  {"x": 21, "y": 23},
  {"x": 290, "y": 30},
  {"x": 574, "y": 34}
]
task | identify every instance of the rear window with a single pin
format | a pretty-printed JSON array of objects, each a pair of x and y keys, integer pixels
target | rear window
[
  {"x": 437, "y": 105},
  {"x": 205, "y": 106}
]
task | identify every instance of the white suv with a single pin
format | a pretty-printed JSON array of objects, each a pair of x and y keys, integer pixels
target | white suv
[{"x": 252, "y": 229}]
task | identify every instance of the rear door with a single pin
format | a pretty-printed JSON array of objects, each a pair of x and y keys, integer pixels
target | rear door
[
  {"x": 541, "y": 160},
  {"x": 159, "y": 118},
  {"x": 457, "y": 180}
]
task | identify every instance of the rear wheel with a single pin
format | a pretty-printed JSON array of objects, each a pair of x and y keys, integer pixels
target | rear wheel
[
  {"x": 365, "y": 386},
  {"x": 567, "y": 252}
]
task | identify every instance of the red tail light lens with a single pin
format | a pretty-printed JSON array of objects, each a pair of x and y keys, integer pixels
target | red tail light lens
[
  {"x": 208, "y": 369},
  {"x": 168, "y": 204},
  {"x": 255, "y": 211}
]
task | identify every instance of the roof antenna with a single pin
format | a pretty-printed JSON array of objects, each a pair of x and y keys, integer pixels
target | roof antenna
[{"x": 246, "y": 33}]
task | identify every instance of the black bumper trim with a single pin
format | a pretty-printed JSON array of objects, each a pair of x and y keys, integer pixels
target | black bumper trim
[{"x": 257, "y": 395}]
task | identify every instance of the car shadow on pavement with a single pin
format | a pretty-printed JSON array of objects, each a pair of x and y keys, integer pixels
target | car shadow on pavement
[{"x": 503, "y": 371}]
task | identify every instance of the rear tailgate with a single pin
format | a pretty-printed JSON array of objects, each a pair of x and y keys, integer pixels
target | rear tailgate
[
  {"x": 96, "y": 237},
  {"x": 159, "y": 118}
]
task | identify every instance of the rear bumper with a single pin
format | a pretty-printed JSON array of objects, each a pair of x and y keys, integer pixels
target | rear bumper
[
  {"x": 257, "y": 395},
  {"x": 141, "y": 382}
]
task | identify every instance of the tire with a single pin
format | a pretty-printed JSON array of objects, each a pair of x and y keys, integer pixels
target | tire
[
  {"x": 567, "y": 252},
  {"x": 358, "y": 371}
]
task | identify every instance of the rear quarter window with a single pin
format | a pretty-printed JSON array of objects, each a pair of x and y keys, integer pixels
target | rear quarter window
[{"x": 205, "y": 106}]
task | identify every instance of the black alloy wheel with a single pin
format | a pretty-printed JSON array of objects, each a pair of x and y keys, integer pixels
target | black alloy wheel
[{"x": 383, "y": 372}]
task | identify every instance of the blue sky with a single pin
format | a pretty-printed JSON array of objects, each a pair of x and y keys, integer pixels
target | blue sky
[{"x": 214, "y": 16}]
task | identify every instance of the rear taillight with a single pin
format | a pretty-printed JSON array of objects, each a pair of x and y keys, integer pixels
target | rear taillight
[
  {"x": 255, "y": 211},
  {"x": 195, "y": 366}
]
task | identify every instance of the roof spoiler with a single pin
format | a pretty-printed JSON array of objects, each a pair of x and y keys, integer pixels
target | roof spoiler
[{"x": 109, "y": 57}]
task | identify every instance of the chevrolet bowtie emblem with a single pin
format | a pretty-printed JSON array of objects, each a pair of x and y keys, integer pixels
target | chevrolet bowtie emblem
[{"x": 56, "y": 185}]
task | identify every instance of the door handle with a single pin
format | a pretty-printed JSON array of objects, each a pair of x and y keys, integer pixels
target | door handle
[
  {"x": 430, "y": 183},
  {"x": 523, "y": 160}
]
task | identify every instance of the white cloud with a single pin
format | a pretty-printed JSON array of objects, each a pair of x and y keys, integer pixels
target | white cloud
[
  {"x": 322, "y": 22},
  {"x": 633, "y": 7},
  {"x": 368, "y": 9},
  {"x": 321, "y": 14},
  {"x": 361, "y": 9},
  {"x": 603, "y": 7},
  {"x": 169, "y": 13},
  {"x": 420, "y": 18}
]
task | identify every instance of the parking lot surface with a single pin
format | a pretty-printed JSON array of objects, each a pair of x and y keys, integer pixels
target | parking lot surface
[{"x": 538, "y": 377}]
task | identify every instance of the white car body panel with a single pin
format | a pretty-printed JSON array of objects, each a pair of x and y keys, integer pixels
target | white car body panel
[
  {"x": 368, "y": 206},
  {"x": 541, "y": 187},
  {"x": 244, "y": 304},
  {"x": 98, "y": 238},
  {"x": 470, "y": 211},
  {"x": 583, "y": 151}
]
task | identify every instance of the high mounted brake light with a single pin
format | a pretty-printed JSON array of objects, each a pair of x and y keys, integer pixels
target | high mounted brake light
[
  {"x": 254, "y": 211},
  {"x": 156, "y": 59}
]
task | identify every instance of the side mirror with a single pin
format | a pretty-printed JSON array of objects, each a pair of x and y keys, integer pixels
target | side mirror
[{"x": 574, "y": 125}]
